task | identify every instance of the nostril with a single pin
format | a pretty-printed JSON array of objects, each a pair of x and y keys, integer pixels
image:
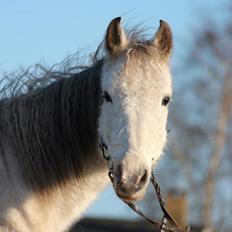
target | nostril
[{"x": 143, "y": 179}]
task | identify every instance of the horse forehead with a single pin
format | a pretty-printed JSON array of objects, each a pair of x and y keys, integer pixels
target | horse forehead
[
  {"x": 147, "y": 81},
  {"x": 134, "y": 76}
]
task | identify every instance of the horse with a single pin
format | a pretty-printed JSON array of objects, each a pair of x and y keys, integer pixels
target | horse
[{"x": 51, "y": 164}]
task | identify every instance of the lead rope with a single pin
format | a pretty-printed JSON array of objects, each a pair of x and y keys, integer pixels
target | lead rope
[{"x": 166, "y": 217}]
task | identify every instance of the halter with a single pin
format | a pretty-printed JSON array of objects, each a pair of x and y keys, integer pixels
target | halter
[{"x": 166, "y": 216}]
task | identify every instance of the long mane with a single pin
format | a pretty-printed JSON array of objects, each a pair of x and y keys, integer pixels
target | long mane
[{"x": 52, "y": 131}]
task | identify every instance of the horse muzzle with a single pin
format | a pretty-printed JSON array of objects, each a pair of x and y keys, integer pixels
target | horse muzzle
[{"x": 130, "y": 187}]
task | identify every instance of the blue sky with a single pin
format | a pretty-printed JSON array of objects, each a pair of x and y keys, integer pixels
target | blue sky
[
  {"x": 35, "y": 31},
  {"x": 48, "y": 30}
]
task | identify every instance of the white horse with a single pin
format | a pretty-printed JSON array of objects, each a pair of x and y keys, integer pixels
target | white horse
[{"x": 51, "y": 166}]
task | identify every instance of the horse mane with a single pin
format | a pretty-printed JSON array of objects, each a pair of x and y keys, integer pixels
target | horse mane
[
  {"x": 52, "y": 131},
  {"x": 38, "y": 76}
]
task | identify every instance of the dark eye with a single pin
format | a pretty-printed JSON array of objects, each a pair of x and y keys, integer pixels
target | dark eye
[
  {"x": 165, "y": 100},
  {"x": 107, "y": 97}
]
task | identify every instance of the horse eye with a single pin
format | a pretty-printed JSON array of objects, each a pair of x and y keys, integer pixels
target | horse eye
[
  {"x": 165, "y": 100},
  {"x": 107, "y": 97}
]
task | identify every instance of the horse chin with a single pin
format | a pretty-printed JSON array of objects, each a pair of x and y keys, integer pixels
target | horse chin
[{"x": 133, "y": 197}]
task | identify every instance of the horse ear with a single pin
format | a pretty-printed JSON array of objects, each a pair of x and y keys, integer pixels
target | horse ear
[
  {"x": 163, "y": 39},
  {"x": 116, "y": 39}
]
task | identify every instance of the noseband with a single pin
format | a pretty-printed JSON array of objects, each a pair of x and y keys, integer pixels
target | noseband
[{"x": 166, "y": 216}]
